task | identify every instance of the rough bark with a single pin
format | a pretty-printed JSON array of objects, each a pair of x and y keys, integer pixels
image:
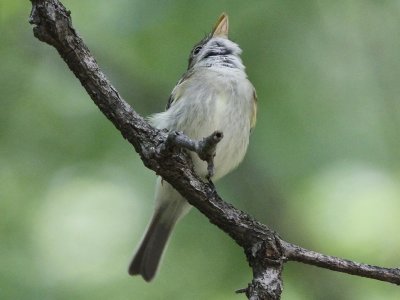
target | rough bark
[{"x": 265, "y": 251}]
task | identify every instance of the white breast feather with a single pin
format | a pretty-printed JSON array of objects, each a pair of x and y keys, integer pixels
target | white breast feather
[{"x": 209, "y": 102}]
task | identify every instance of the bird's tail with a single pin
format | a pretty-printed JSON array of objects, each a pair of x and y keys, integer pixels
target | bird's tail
[{"x": 148, "y": 256}]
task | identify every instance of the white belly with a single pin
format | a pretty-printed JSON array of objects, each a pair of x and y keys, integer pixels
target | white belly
[{"x": 204, "y": 106}]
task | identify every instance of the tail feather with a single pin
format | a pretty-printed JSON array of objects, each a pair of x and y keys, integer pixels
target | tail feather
[
  {"x": 170, "y": 207},
  {"x": 148, "y": 256}
]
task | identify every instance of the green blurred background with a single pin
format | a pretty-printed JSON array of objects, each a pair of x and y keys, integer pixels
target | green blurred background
[{"x": 323, "y": 167}]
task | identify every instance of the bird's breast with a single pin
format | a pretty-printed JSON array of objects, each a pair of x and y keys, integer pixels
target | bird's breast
[
  {"x": 224, "y": 107},
  {"x": 211, "y": 102}
]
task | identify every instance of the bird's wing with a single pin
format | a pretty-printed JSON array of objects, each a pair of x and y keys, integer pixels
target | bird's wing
[{"x": 177, "y": 91}]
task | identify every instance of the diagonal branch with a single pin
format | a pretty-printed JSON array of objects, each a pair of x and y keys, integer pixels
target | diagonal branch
[{"x": 265, "y": 250}]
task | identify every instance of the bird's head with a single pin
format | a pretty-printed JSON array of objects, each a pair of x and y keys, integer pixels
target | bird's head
[{"x": 216, "y": 49}]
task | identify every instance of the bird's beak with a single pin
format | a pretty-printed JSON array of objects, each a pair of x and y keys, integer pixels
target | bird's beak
[{"x": 221, "y": 28}]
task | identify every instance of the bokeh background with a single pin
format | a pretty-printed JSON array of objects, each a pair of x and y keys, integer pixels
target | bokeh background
[{"x": 323, "y": 167}]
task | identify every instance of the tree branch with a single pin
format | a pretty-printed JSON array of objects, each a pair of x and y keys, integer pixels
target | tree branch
[
  {"x": 296, "y": 253},
  {"x": 265, "y": 250}
]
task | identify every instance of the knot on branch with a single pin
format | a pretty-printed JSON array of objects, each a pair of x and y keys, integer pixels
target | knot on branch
[
  {"x": 205, "y": 148},
  {"x": 52, "y": 21},
  {"x": 266, "y": 258}
]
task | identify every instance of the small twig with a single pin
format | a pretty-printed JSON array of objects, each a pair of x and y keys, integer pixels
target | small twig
[
  {"x": 205, "y": 148},
  {"x": 295, "y": 253},
  {"x": 241, "y": 291}
]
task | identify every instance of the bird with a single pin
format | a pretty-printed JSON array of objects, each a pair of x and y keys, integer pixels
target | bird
[{"x": 213, "y": 94}]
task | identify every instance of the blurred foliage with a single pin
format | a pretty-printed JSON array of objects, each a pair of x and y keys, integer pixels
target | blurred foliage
[{"x": 323, "y": 166}]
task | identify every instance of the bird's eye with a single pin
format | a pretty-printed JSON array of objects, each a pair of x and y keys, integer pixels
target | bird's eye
[{"x": 197, "y": 50}]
